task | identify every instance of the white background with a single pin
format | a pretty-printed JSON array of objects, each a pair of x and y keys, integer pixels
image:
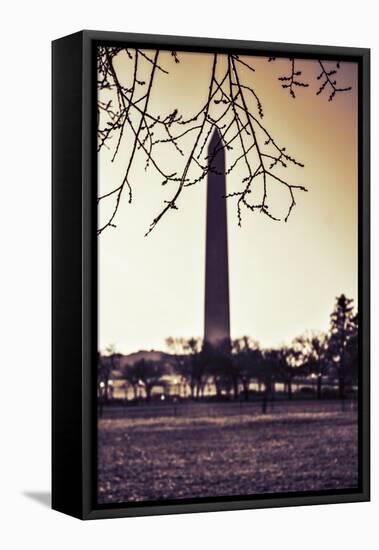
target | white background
[{"x": 27, "y": 29}]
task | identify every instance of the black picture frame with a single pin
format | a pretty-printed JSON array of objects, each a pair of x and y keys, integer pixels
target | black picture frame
[{"x": 74, "y": 273}]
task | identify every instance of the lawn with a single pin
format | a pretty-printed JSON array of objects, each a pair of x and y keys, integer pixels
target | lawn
[{"x": 298, "y": 448}]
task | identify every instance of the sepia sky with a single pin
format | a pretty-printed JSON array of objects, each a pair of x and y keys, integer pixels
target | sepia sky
[{"x": 283, "y": 277}]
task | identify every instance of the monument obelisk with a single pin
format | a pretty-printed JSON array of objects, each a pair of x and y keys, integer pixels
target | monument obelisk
[{"x": 217, "y": 318}]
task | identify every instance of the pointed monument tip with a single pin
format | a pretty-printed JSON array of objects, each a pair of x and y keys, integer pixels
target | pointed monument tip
[
  {"x": 216, "y": 134},
  {"x": 215, "y": 139}
]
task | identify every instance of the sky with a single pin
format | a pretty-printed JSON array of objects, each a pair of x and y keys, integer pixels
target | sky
[{"x": 283, "y": 277}]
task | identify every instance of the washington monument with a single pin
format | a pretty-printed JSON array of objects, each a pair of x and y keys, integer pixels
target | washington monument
[{"x": 217, "y": 318}]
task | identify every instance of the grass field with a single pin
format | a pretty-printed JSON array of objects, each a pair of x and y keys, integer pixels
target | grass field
[{"x": 225, "y": 450}]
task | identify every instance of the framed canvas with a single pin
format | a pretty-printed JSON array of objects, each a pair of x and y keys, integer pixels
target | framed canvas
[{"x": 210, "y": 275}]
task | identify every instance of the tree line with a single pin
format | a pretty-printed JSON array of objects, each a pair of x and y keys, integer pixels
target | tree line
[{"x": 232, "y": 366}]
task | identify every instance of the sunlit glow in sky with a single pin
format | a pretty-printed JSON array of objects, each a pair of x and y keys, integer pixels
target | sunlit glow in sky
[{"x": 284, "y": 277}]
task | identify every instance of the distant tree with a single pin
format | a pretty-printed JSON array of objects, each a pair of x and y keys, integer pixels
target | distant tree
[
  {"x": 282, "y": 365},
  {"x": 102, "y": 369},
  {"x": 149, "y": 373},
  {"x": 219, "y": 364},
  {"x": 351, "y": 355},
  {"x": 100, "y": 383},
  {"x": 106, "y": 364},
  {"x": 195, "y": 367},
  {"x": 177, "y": 346},
  {"x": 268, "y": 375},
  {"x": 316, "y": 356},
  {"x": 247, "y": 358},
  {"x": 343, "y": 331},
  {"x": 285, "y": 363},
  {"x": 189, "y": 362},
  {"x": 131, "y": 377},
  {"x": 180, "y": 359}
]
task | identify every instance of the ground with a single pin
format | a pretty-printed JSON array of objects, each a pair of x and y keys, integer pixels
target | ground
[{"x": 154, "y": 453}]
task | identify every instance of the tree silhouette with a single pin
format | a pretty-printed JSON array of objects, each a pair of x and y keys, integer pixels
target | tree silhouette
[
  {"x": 232, "y": 105},
  {"x": 327, "y": 78},
  {"x": 131, "y": 376},
  {"x": 149, "y": 373},
  {"x": 188, "y": 362},
  {"x": 269, "y": 375},
  {"x": 351, "y": 352},
  {"x": 233, "y": 365},
  {"x": 220, "y": 367},
  {"x": 247, "y": 358},
  {"x": 288, "y": 362},
  {"x": 316, "y": 356},
  {"x": 106, "y": 364},
  {"x": 343, "y": 332}
]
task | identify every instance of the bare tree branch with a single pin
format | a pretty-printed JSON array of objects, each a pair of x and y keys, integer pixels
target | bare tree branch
[{"x": 232, "y": 106}]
